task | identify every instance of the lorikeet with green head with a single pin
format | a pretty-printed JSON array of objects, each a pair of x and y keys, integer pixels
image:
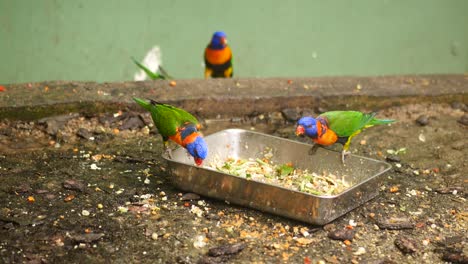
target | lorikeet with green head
[
  {"x": 337, "y": 127},
  {"x": 179, "y": 126},
  {"x": 218, "y": 57}
]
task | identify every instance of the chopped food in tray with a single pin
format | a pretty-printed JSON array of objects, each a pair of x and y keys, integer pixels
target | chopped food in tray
[{"x": 284, "y": 175}]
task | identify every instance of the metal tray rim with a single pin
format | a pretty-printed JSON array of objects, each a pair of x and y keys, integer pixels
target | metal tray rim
[{"x": 387, "y": 165}]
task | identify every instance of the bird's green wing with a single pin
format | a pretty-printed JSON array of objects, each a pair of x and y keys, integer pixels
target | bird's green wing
[
  {"x": 167, "y": 118},
  {"x": 182, "y": 115},
  {"x": 346, "y": 123}
]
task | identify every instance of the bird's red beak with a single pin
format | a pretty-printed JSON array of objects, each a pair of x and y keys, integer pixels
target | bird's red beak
[
  {"x": 198, "y": 161},
  {"x": 300, "y": 130},
  {"x": 224, "y": 41}
]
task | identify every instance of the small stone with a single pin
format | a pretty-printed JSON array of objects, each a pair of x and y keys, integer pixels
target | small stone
[
  {"x": 422, "y": 120},
  {"x": 463, "y": 120},
  {"x": 145, "y": 130},
  {"x": 199, "y": 241},
  {"x": 459, "y": 145},
  {"x": 422, "y": 137},
  {"x": 122, "y": 209},
  {"x": 226, "y": 249},
  {"x": 132, "y": 123},
  {"x": 196, "y": 211},
  {"x": 405, "y": 245},
  {"x": 212, "y": 217},
  {"x": 426, "y": 242},
  {"x": 190, "y": 196},
  {"x": 343, "y": 234},
  {"x": 393, "y": 158},
  {"x": 291, "y": 114},
  {"x": 85, "y": 213},
  {"x": 84, "y": 133},
  {"x": 22, "y": 188},
  {"x": 74, "y": 185},
  {"x": 55, "y": 124},
  {"x": 94, "y": 167},
  {"x": 275, "y": 118},
  {"x": 360, "y": 251},
  {"x": 455, "y": 257},
  {"x": 329, "y": 227},
  {"x": 86, "y": 238},
  {"x": 449, "y": 189},
  {"x": 100, "y": 206},
  {"x": 320, "y": 109},
  {"x": 107, "y": 119},
  {"x": 154, "y": 236},
  {"x": 459, "y": 105},
  {"x": 395, "y": 223}
]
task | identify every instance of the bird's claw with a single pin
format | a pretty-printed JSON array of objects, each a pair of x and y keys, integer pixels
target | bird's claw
[
  {"x": 344, "y": 153},
  {"x": 313, "y": 149},
  {"x": 169, "y": 152}
]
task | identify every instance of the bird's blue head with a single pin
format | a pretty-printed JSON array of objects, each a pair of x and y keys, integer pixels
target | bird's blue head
[
  {"x": 219, "y": 40},
  {"x": 307, "y": 125},
  {"x": 198, "y": 149}
]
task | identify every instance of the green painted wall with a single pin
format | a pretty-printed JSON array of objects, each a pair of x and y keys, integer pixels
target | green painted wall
[{"x": 93, "y": 40}]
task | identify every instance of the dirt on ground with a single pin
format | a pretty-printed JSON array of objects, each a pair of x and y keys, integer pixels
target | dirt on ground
[{"x": 94, "y": 189}]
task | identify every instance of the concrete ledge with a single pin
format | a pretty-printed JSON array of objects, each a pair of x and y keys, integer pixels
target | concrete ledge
[{"x": 231, "y": 97}]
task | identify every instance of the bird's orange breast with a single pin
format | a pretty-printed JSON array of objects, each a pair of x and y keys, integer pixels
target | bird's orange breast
[
  {"x": 218, "y": 56},
  {"x": 177, "y": 138},
  {"x": 326, "y": 139}
]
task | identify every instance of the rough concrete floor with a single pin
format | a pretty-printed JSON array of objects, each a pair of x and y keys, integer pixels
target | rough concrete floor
[
  {"x": 94, "y": 189},
  {"x": 91, "y": 187}
]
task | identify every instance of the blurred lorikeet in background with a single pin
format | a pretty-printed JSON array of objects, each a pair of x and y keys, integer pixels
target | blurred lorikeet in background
[
  {"x": 337, "y": 127},
  {"x": 179, "y": 126},
  {"x": 218, "y": 57},
  {"x": 159, "y": 74}
]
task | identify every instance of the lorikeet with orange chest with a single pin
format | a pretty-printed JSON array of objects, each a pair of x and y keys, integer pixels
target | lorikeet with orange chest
[
  {"x": 337, "y": 127},
  {"x": 218, "y": 57},
  {"x": 179, "y": 126}
]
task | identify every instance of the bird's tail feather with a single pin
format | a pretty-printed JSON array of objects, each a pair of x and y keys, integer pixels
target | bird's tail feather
[{"x": 376, "y": 121}]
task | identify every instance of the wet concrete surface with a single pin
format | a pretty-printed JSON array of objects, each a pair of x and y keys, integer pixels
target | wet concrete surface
[{"x": 94, "y": 189}]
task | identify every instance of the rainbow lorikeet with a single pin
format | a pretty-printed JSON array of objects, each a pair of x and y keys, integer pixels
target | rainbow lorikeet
[
  {"x": 218, "y": 57},
  {"x": 337, "y": 127},
  {"x": 179, "y": 126}
]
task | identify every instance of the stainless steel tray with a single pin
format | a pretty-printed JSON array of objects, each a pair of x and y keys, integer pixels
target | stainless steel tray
[{"x": 365, "y": 174}]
